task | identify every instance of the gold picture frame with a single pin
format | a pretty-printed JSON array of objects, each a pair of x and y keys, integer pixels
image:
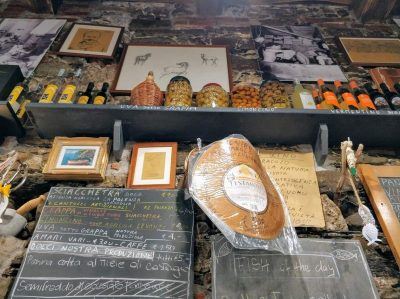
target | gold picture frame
[
  {"x": 79, "y": 158},
  {"x": 364, "y": 51},
  {"x": 153, "y": 166}
]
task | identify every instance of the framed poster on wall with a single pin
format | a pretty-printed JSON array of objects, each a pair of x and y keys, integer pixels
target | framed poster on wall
[{"x": 199, "y": 64}]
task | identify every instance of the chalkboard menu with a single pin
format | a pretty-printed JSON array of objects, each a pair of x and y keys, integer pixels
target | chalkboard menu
[
  {"x": 326, "y": 269},
  {"x": 392, "y": 190},
  {"x": 110, "y": 243}
]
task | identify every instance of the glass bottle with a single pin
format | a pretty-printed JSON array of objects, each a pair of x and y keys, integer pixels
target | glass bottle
[
  {"x": 329, "y": 97},
  {"x": 51, "y": 90},
  {"x": 86, "y": 97},
  {"x": 378, "y": 98},
  {"x": 302, "y": 98},
  {"x": 68, "y": 94},
  {"x": 365, "y": 102},
  {"x": 102, "y": 96},
  {"x": 16, "y": 96},
  {"x": 346, "y": 96},
  {"x": 392, "y": 97}
]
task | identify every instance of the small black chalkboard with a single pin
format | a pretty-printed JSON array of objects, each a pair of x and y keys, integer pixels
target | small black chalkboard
[
  {"x": 326, "y": 269},
  {"x": 110, "y": 243},
  {"x": 391, "y": 185}
]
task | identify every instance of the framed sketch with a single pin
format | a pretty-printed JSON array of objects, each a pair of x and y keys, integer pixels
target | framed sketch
[
  {"x": 200, "y": 64},
  {"x": 24, "y": 42},
  {"x": 371, "y": 51},
  {"x": 382, "y": 184},
  {"x": 98, "y": 41},
  {"x": 78, "y": 158},
  {"x": 153, "y": 166},
  {"x": 287, "y": 53}
]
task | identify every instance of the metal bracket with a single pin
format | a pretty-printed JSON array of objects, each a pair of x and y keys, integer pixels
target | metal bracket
[
  {"x": 118, "y": 140},
  {"x": 321, "y": 146}
]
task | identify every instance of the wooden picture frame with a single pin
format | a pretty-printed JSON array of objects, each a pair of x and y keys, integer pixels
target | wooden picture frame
[
  {"x": 384, "y": 210},
  {"x": 363, "y": 51},
  {"x": 198, "y": 79},
  {"x": 157, "y": 170},
  {"x": 111, "y": 43},
  {"x": 79, "y": 158}
]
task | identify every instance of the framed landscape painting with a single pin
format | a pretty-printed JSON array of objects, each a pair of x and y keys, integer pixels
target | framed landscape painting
[
  {"x": 97, "y": 41},
  {"x": 199, "y": 64},
  {"x": 79, "y": 158},
  {"x": 363, "y": 51}
]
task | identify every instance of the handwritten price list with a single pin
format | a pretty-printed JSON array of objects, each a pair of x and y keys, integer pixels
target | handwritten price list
[{"x": 110, "y": 243}]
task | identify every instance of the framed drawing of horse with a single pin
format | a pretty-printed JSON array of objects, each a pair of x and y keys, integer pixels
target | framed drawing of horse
[{"x": 200, "y": 64}]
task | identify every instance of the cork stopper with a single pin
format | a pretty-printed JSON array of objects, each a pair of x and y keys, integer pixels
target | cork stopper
[{"x": 150, "y": 76}]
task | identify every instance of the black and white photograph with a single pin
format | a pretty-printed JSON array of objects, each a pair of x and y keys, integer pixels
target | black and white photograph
[
  {"x": 24, "y": 42},
  {"x": 287, "y": 53}
]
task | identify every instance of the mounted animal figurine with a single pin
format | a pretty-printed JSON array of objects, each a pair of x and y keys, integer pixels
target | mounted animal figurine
[{"x": 147, "y": 93}]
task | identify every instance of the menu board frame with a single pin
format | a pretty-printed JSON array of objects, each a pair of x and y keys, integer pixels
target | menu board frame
[{"x": 380, "y": 202}]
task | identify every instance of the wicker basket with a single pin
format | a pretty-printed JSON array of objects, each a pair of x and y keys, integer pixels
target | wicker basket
[{"x": 147, "y": 93}]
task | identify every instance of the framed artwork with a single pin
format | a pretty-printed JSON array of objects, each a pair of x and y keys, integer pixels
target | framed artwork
[
  {"x": 153, "y": 166},
  {"x": 78, "y": 158},
  {"x": 371, "y": 51},
  {"x": 287, "y": 53},
  {"x": 382, "y": 184},
  {"x": 24, "y": 42},
  {"x": 200, "y": 64},
  {"x": 98, "y": 41}
]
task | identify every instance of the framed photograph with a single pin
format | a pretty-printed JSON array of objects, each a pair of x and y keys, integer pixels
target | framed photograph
[
  {"x": 78, "y": 158},
  {"x": 371, "y": 51},
  {"x": 153, "y": 166},
  {"x": 382, "y": 184},
  {"x": 200, "y": 64},
  {"x": 97, "y": 41},
  {"x": 287, "y": 53},
  {"x": 24, "y": 42}
]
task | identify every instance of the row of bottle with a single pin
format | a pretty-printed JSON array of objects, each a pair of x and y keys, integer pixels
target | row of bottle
[
  {"x": 59, "y": 90},
  {"x": 355, "y": 98}
]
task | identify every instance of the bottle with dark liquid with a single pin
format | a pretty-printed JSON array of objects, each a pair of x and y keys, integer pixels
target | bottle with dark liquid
[
  {"x": 346, "y": 96},
  {"x": 86, "y": 97},
  {"x": 101, "y": 96},
  {"x": 392, "y": 97},
  {"x": 365, "y": 102},
  {"x": 329, "y": 97},
  {"x": 377, "y": 97}
]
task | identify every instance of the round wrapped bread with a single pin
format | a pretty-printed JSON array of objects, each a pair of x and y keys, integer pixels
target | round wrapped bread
[{"x": 230, "y": 181}]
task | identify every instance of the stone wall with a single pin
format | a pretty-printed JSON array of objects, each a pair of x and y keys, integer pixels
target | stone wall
[{"x": 177, "y": 22}]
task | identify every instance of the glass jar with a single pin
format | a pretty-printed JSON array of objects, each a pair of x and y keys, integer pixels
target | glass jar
[
  {"x": 274, "y": 95},
  {"x": 179, "y": 92},
  {"x": 246, "y": 96},
  {"x": 212, "y": 95}
]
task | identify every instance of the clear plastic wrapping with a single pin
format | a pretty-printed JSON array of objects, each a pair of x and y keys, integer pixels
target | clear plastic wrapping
[{"x": 229, "y": 183}]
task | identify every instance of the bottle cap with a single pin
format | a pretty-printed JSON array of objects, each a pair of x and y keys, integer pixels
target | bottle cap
[
  {"x": 296, "y": 81},
  {"x": 212, "y": 84},
  {"x": 315, "y": 93},
  {"x": 105, "y": 86},
  {"x": 337, "y": 83},
  {"x": 90, "y": 85},
  {"x": 179, "y": 78},
  {"x": 320, "y": 82},
  {"x": 353, "y": 84}
]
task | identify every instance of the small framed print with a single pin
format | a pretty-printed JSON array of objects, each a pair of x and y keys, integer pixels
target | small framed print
[
  {"x": 77, "y": 159},
  {"x": 97, "y": 41},
  {"x": 153, "y": 166}
]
